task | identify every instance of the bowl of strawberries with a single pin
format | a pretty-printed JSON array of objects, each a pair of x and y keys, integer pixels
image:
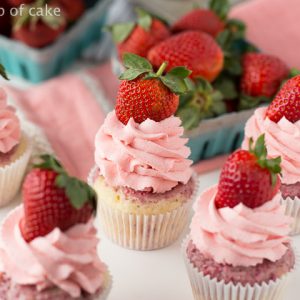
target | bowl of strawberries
[
  {"x": 40, "y": 38},
  {"x": 229, "y": 76}
]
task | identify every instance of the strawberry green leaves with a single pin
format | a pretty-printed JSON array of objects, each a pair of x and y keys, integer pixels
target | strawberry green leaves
[
  {"x": 202, "y": 102},
  {"x": 135, "y": 66},
  {"x": 220, "y": 7},
  {"x": 175, "y": 79},
  {"x": 77, "y": 191},
  {"x": 234, "y": 45},
  {"x": 293, "y": 72},
  {"x": 3, "y": 72},
  {"x": 180, "y": 72},
  {"x": 144, "y": 18},
  {"x": 248, "y": 102},
  {"x": 49, "y": 162},
  {"x": 121, "y": 31},
  {"x": 26, "y": 17},
  {"x": 54, "y": 22},
  {"x": 227, "y": 86},
  {"x": 133, "y": 61},
  {"x": 260, "y": 151}
]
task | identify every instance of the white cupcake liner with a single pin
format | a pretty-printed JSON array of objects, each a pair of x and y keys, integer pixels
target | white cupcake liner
[
  {"x": 292, "y": 209},
  {"x": 144, "y": 232},
  {"x": 11, "y": 176},
  {"x": 206, "y": 288}
]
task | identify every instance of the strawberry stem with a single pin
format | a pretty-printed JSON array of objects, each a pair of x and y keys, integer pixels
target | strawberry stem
[
  {"x": 260, "y": 151},
  {"x": 162, "y": 69}
]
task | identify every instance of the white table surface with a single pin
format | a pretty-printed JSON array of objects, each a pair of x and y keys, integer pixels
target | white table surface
[{"x": 156, "y": 275}]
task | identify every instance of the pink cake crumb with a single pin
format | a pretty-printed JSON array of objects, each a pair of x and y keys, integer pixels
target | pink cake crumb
[
  {"x": 290, "y": 190},
  {"x": 12, "y": 291},
  {"x": 264, "y": 272},
  {"x": 184, "y": 191}
]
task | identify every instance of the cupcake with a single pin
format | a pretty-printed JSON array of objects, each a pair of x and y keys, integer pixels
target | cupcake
[
  {"x": 143, "y": 178},
  {"x": 15, "y": 151},
  {"x": 48, "y": 244},
  {"x": 280, "y": 123},
  {"x": 238, "y": 244}
]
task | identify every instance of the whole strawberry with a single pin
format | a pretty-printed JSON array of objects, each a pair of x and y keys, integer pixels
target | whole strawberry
[
  {"x": 144, "y": 94},
  {"x": 38, "y": 31},
  {"x": 262, "y": 74},
  {"x": 202, "y": 102},
  {"x": 248, "y": 177},
  {"x": 204, "y": 20},
  {"x": 287, "y": 102},
  {"x": 140, "y": 37},
  {"x": 53, "y": 199},
  {"x": 195, "y": 50}
]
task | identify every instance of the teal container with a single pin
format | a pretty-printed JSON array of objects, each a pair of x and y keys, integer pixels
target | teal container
[
  {"x": 37, "y": 65},
  {"x": 221, "y": 135}
]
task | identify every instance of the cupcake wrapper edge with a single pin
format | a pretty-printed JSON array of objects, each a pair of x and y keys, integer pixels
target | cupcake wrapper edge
[
  {"x": 206, "y": 288},
  {"x": 292, "y": 209},
  {"x": 11, "y": 176},
  {"x": 144, "y": 232}
]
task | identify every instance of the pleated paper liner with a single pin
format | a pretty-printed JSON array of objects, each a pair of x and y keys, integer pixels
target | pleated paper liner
[
  {"x": 141, "y": 231},
  {"x": 292, "y": 209},
  {"x": 11, "y": 175},
  {"x": 206, "y": 288}
]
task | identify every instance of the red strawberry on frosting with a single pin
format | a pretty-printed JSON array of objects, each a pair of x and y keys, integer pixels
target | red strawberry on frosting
[
  {"x": 195, "y": 50},
  {"x": 287, "y": 102},
  {"x": 139, "y": 37},
  {"x": 248, "y": 177},
  {"x": 145, "y": 94},
  {"x": 54, "y": 199}
]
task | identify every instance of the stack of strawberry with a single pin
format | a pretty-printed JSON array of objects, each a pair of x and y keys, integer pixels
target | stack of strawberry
[
  {"x": 228, "y": 72},
  {"x": 39, "y": 29}
]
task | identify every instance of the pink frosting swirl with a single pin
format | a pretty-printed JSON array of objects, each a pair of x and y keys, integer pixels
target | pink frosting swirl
[
  {"x": 10, "y": 130},
  {"x": 240, "y": 236},
  {"x": 282, "y": 139},
  {"x": 67, "y": 260},
  {"x": 151, "y": 155}
]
